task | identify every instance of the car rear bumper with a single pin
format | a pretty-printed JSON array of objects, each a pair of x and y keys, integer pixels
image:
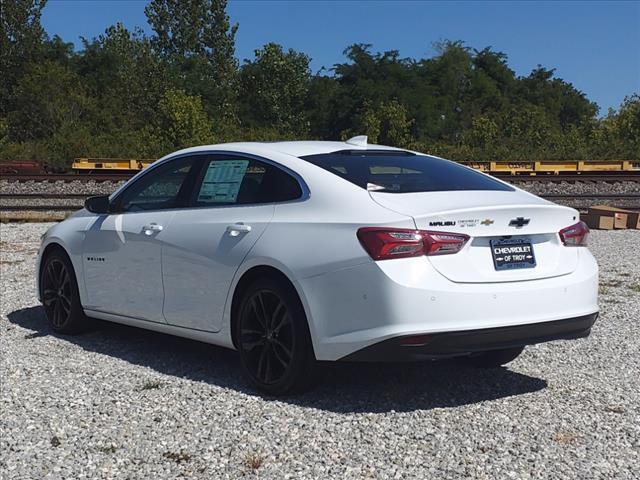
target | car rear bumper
[
  {"x": 451, "y": 344},
  {"x": 354, "y": 308}
]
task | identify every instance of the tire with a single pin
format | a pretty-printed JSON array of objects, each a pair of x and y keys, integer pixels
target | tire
[
  {"x": 273, "y": 339},
  {"x": 493, "y": 358},
  {"x": 59, "y": 294}
]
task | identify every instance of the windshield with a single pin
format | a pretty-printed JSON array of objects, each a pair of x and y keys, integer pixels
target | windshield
[{"x": 403, "y": 172}]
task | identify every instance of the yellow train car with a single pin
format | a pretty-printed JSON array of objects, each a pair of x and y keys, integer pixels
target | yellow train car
[
  {"x": 109, "y": 165},
  {"x": 555, "y": 167},
  {"x": 502, "y": 167}
]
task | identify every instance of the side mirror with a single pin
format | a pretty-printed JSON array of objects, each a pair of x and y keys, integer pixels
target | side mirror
[{"x": 99, "y": 204}]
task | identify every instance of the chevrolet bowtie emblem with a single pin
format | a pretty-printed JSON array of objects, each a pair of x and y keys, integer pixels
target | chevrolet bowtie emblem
[
  {"x": 519, "y": 222},
  {"x": 486, "y": 221}
]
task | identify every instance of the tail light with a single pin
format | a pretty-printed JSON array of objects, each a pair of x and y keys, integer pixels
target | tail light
[
  {"x": 575, "y": 235},
  {"x": 388, "y": 243}
]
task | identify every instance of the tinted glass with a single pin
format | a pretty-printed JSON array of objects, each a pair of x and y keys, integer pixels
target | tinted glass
[
  {"x": 160, "y": 189},
  {"x": 237, "y": 181},
  {"x": 402, "y": 172}
]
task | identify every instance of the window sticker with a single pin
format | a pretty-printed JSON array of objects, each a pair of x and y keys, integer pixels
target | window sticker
[{"x": 222, "y": 181}]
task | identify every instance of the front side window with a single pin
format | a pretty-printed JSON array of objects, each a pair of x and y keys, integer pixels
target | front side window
[
  {"x": 403, "y": 172},
  {"x": 163, "y": 188},
  {"x": 236, "y": 181}
]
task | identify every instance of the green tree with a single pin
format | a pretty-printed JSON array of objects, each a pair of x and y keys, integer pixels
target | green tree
[
  {"x": 562, "y": 100},
  {"x": 483, "y": 135},
  {"x": 374, "y": 78},
  {"x": 125, "y": 94},
  {"x": 49, "y": 97},
  {"x": 198, "y": 37},
  {"x": 321, "y": 105},
  {"x": 183, "y": 121},
  {"x": 628, "y": 127},
  {"x": 4, "y": 132},
  {"x": 526, "y": 131},
  {"x": 274, "y": 89},
  {"x": 21, "y": 35},
  {"x": 618, "y": 134},
  {"x": 385, "y": 123},
  {"x": 126, "y": 78}
]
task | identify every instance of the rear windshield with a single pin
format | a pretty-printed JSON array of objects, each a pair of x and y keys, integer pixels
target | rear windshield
[{"x": 403, "y": 172}]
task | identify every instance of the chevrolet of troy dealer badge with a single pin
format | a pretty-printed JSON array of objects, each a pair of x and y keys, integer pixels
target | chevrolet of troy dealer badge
[{"x": 472, "y": 222}]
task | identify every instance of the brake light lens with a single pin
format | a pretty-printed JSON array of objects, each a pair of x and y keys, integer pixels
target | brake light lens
[
  {"x": 388, "y": 243},
  {"x": 575, "y": 235},
  {"x": 442, "y": 243}
]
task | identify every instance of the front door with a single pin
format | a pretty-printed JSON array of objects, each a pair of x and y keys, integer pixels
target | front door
[
  {"x": 122, "y": 264},
  {"x": 122, "y": 252}
]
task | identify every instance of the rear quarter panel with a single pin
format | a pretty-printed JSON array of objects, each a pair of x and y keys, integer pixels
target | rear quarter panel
[{"x": 317, "y": 235}]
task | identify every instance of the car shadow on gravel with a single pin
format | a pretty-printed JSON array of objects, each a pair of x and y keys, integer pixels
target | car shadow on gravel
[{"x": 343, "y": 388}]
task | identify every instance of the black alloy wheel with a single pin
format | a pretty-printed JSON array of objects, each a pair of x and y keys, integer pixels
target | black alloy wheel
[
  {"x": 267, "y": 336},
  {"x": 59, "y": 294},
  {"x": 56, "y": 293},
  {"x": 273, "y": 338}
]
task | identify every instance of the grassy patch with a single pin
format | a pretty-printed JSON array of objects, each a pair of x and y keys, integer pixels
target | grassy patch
[
  {"x": 635, "y": 288},
  {"x": 10, "y": 262},
  {"x": 31, "y": 217},
  {"x": 151, "y": 385},
  {"x": 253, "y": 461},
  {"x": 614, "y": 409},
  {"x": 605, "y": 285},
  {"x": 31, "y": 335},
  {"x": 564, "y": 438},
  {"x": 109, "y": 449},
  {"x": 178, "y": 457},
  {"x": 610, "y": 301},
  {"x": 16, "y": 247}
]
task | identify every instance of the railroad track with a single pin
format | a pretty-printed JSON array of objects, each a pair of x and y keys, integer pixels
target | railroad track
[
  {"x": 119, "y": 177},
  {"x": 606, "y": 196},
  {"x": 571, "y": 178},
  {"x": 68, "y": 177},
  {"x": 42, "y": 202},
  {"x": 70, "y": 196},
  {"x": 40, "y": 208},
  {"x": 63, "y": 196},
  {"x": 74, "y": 201}
]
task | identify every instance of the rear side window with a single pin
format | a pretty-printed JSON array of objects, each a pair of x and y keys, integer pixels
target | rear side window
[
  {"x": 403, "y": 172},
  {"x": 236, "y": 181}
]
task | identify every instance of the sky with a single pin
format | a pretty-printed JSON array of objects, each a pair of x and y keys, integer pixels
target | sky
[{"x": 594, "y": 45}]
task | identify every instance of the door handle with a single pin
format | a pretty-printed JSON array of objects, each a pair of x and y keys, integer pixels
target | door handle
[
  {"x": 152, "y": 228},
  {"x": 238, "y": 228}
]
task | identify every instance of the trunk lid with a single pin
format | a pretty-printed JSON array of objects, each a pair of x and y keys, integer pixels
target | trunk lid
[{"x": 487, "y": 216}]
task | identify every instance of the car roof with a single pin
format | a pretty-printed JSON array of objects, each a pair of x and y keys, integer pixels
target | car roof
[{"x": 294, "y": 148}]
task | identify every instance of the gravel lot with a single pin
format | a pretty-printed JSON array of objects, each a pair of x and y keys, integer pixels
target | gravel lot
[
  {"x": 97, "y": 188},
  {"x": 538, "y": 188},
  {"x": 124, "y": 403},
  {"x": 579, "y": 188},
  {"x": 85, "y": 187}
]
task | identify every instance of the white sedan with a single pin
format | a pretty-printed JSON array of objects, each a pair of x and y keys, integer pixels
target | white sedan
[{"x": 295, "y": 252}]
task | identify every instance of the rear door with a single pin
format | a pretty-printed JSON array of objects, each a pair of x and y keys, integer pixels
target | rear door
[{"x": 232, "y": 203}]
